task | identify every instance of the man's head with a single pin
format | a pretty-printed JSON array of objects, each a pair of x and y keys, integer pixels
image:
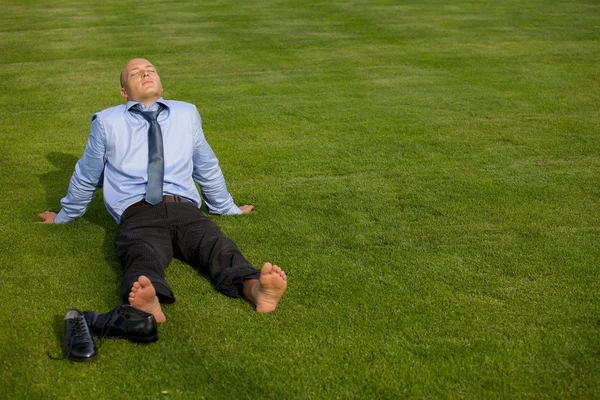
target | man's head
[{"x": 140, "y": 82}]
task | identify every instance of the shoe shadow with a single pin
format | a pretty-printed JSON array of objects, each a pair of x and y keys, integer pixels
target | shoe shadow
[{"x": 58, "y": 326}]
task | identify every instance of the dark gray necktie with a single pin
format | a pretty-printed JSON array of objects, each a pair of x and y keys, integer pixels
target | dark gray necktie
[{"x": 156, "y": 160}]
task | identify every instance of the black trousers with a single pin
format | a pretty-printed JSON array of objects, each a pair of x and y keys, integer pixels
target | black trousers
[{"x": 150, "y": 236}]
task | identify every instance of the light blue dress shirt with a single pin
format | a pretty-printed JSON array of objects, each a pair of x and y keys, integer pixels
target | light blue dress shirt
[{"x": 116, "y": 158}]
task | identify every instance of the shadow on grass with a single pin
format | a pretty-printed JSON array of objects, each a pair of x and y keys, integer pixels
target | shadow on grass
[
  {"x": 59, "y": 331},
  {"x": 55, "y": 184}
]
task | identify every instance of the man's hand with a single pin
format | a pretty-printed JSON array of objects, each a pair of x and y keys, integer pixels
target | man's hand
[
  {"x": 246, "y": 208},
  {"x": 47, "y": 216}
]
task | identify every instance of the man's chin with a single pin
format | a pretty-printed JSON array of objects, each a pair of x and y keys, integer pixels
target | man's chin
[{"x": 152, "y": 90}]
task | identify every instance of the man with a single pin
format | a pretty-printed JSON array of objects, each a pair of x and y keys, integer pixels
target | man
[{"x": 146, "y": 155}]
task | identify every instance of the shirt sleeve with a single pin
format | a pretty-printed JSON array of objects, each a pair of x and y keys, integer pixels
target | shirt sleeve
[
  {"x": 87, "y": 177},
  {"x": 208, "y": 175}
]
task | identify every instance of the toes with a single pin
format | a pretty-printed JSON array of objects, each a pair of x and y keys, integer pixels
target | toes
[
  {"x": 267, "y": 268},
  {"x": 270, "y": 269},
  {"x": 279, "y": 272},
  {"x": 144, "y": 281}
]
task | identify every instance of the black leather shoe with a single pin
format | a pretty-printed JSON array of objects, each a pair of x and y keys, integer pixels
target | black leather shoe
[
  {"x": 124, "y": 321},
  {"x": 78, "y": 344}
]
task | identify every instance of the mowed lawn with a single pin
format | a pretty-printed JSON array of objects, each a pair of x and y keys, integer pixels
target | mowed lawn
[{"x": 427, "y": 173}]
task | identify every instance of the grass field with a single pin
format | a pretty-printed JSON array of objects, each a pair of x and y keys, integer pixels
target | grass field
[{"x": 427, "y": 173}]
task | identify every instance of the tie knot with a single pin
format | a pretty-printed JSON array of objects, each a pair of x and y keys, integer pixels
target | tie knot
[{"x": 150, "y": 116}]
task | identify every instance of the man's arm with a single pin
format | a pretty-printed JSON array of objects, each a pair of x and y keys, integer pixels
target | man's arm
[
  {"x": 209, "y": 176},
  {"x": 84, "y": 181}
]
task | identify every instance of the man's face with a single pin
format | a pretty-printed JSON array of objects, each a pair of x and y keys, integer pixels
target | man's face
[{"x": 140, "y": 82}]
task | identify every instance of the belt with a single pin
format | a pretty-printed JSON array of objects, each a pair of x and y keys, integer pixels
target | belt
[{"x": 166, "y": 199}]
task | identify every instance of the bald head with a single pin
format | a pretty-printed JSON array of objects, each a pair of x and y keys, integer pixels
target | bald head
[{"x": 140, "y": 82}]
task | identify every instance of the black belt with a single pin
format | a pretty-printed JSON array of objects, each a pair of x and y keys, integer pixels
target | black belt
[{"x": 166, "y": 199}]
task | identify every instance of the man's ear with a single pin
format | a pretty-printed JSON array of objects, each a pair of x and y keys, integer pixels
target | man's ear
[{"x": 123, "y": 93}]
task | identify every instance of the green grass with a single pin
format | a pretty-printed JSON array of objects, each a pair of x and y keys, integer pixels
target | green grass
[{"x": 427, "y": 174}]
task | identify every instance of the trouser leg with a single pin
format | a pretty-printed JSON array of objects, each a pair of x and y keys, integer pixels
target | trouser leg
[
  {"x": 198, "y": 241},
  {"x": 143, "y": 246}
]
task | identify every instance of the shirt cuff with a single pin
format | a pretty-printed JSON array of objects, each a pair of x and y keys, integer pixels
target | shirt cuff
[
  {"x": 234, "y": 210},
  {"x": 62, "y": 217}
]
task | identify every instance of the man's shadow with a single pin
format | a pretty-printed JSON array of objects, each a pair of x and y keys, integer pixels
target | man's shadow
[{"x": 55, "y": 184}]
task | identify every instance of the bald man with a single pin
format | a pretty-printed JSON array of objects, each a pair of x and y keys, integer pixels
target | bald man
[{"x": 116, "y": 158}]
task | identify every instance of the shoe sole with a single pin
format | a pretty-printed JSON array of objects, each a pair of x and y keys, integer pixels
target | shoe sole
[
  {"x": 136, "y": 339},
  {"x": 76, "y": 359},
  {"x": 142, "y": 339}
]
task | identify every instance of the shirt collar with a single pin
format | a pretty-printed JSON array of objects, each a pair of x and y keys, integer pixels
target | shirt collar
[{"x": 153, "y": 106}]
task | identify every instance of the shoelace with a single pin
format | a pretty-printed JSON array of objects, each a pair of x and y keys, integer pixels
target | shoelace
[
  {"x": 105, "y": 330},
  {"x": 79, "y": 327}
]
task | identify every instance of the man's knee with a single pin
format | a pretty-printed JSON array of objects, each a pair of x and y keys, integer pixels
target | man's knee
[{"x": 144, "y": 254}]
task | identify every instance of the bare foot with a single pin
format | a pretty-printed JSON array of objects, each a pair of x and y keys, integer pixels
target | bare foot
[
  {"x": 143, "y": 297},
  {"x": 268, "y": 289}
]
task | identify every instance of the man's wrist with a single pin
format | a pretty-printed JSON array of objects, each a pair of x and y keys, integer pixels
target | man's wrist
[
  {"x": 234, "y": 210},
  {"x": 62, "y": 217}
]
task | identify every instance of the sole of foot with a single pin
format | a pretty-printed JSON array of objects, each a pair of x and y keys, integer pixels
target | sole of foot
[
  {"x": 272, "y": 284},
  {"x": 143, "y": 297}
]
